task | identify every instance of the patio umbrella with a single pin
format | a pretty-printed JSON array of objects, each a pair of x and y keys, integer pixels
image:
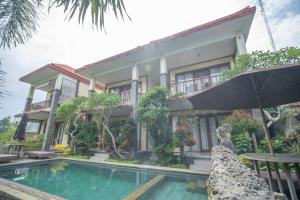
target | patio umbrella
[
  {"x": 261, "y": 88},
  {"x": 20, "y": 132}
]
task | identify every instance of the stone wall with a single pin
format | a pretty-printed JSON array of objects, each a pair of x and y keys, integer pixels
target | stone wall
[{"x": 231, "y": 179}]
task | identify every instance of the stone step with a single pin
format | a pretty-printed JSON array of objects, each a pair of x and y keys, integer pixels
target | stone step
[
  {"x": 97, "y": 159},
  {"x": 199, "y": 162},
  {"x": 200, "y": 165},
  {"x": 101, "y": 155}
]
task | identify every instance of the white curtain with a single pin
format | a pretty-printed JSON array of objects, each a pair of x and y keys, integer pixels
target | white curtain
[
  {"x": 212, "y": 127},
  {"x": 204, "y": 137}
]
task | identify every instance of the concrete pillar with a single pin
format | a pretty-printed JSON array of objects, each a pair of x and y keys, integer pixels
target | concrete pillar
[
  {"x": 92, "y": 87},
  {"x": 51, "y": 119},
  {"x": 134, "y": 102},
  {"x": 29, "y": 99},
  {"x": 240, "y": 43},
  {"x": 163, "y": 72}
]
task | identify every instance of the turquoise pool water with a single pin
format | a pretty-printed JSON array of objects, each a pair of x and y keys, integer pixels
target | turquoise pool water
[{"x": 84, "y": 181}]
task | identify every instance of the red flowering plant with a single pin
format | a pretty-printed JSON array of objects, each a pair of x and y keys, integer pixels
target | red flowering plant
[{"x": 183, "y": 136}]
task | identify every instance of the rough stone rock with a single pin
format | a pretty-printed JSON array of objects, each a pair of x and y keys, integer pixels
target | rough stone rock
[{"x": 231, "y": 179}]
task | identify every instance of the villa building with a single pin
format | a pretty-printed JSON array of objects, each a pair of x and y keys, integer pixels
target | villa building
[
  {"x": 61, "y": 83},
  {"x": 185, "y": 63}
]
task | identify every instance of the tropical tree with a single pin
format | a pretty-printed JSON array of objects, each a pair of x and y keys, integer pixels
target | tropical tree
[
  {"x": 70, "y": 112},
  {"x": 264, "y": 59},
  {"x": 3, "y": 92},
  {"x": 154, "y": 111},
  {"x": 6, "y": 123},
  {"x": 103, "y": 105},
  {"x": 19, "y": 18}
]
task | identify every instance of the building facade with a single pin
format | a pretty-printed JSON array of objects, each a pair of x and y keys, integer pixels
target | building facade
[
  {"x": 185, "y": 63},
  {"x": 61, "y": 84}
]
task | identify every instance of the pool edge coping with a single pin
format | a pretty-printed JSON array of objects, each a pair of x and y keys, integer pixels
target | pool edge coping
[
  {"x": 18, "y": 191},
  {"x": 139, "y": 166}
]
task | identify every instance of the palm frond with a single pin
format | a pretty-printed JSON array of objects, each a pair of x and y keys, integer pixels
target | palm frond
[
  {"x": 18, "y": 21},
  {"x": 98, "y": 9}
]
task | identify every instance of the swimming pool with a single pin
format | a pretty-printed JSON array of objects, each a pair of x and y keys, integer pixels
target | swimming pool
[{"x": 80, "y": 180}]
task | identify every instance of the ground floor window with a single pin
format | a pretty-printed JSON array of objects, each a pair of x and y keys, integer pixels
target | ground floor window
[{"x": 203, "y": 129}]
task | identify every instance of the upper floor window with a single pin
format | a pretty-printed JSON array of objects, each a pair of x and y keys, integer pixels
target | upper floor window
[
  {"x": 198, "y": 80},
  {"x": 124, "y": 91},
  {"x": 68, "y": 90}
]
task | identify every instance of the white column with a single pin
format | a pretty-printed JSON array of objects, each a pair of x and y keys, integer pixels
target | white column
[
  {"x": 29, "y": 98},
  {"x": 240, "y": 43},
  {"x": 163, "y": 65},
  {"x": 49, "y": 132},
  {"x": 163, "y": 72},
  {"x": 135, "y": 73},
  {"x": 134, "y": 102},
  {"x": 92, "y": 87},
  {"x": 30, "y": 92},
  {"x": 58, "y": 82}
]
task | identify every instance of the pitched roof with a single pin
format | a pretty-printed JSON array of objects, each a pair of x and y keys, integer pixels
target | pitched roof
[
  {"x": 244, "y": 12},
  {"x": 65, "y": 69}
]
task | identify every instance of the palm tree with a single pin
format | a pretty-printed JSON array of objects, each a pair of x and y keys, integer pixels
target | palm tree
[
  {"x": 3, "y": 92},
  {"x": 19, "y": 18}
]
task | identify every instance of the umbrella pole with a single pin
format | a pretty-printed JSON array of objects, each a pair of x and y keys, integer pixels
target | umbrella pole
[{"x": 266, "y": 130}]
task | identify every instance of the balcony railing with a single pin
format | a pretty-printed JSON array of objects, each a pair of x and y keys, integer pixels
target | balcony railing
[
  {"x": 125, "y": 96},
  {"x": 40, "y": 105},
  {"x": 194, "y": 85}
]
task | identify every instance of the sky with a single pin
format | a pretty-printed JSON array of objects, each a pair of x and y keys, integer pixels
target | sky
[{"x": 60, "y": 41}]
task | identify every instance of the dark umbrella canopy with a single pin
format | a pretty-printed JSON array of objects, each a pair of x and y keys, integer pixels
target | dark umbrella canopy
[
  {"x": 260, "y": 88},
  {"x": 21, "y": 129},
  {"x": 273, "y": 87}
]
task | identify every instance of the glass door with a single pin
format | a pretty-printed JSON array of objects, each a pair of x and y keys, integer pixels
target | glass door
[{"x": 207, "y": 133}]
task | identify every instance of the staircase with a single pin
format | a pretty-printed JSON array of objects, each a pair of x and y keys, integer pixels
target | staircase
[{"x": 99, "y": 157}]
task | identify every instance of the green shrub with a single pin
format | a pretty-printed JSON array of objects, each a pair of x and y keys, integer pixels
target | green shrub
[
  {"x": 124, "y": 132},
  {"x": 8, "y": 136},
  {"x": 245, "y": 160},
  {"x": 262, "y": 59},
  {"x": 87, "y": 137},
  {"x": 242, "y": 124},
  {"x": 242, "y": 143},
  {"x": 154, "y": 110},
  {"x": 6, "y": 123},
  {"x": 179, "y": 166},
  {"x": 165, "y": 154},
  {"x": 292, "y": 140},
  {"x": 34, "y": 142},
  {"x": 79, "y": 157},
  {"x": 277, "y": 143}
]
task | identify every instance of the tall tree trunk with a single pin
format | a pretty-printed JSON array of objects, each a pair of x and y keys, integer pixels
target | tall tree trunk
[{"x": 113, "y": 141}]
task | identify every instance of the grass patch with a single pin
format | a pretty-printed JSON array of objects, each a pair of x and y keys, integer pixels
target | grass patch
[
  {"x": 124, "y": 161},
  {"x": 178, "y": 166},
  {"x": 79, "y": 157}
]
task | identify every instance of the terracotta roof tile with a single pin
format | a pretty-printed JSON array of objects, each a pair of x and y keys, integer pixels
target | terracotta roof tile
[{"x": 246, "y": 11}]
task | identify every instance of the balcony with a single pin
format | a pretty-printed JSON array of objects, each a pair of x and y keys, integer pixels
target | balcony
[
  {"x": 126, "y": 96},
  {"x": 193, "y": 85},
  {"x": 40, "y": 105}
]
